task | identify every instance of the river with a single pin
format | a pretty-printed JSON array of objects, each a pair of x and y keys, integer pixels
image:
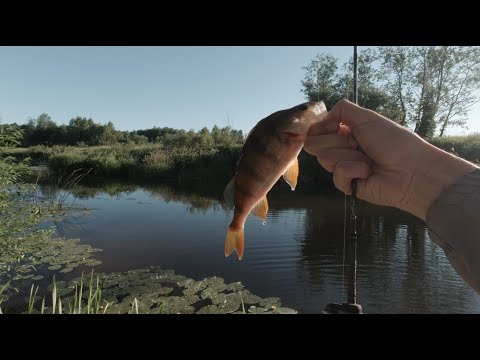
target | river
[{"x": 297, "y": 255}]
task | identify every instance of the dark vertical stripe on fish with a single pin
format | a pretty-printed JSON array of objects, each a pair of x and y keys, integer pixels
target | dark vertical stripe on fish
[
  {"x": 276, "y": 136},
  {"x": 251, "y": 171},
  {"x": 257, "y": 145},
  {"x": 244, "y": 190}
]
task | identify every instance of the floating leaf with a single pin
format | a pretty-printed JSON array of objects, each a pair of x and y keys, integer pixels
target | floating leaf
[
  {"x": 270, "y": 302},
  {"x": 211, "y": 309},
  {"x": 256, "y": 310},
  {"x": 284, "y": 310},
  {"x": 93, "y": 263}
]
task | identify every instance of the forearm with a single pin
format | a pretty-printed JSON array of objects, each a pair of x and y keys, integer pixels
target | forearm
[
  {"x": 453, "y": 221},
  {"x": 434, "y": 172}
]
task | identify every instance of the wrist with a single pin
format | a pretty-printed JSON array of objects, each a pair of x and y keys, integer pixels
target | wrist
[{"x": 437, "y": 170}]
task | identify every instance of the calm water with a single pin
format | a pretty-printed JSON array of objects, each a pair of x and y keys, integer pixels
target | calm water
[{"x": 297, "y": 255}]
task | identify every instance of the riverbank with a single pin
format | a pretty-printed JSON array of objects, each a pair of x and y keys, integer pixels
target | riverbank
[
  {"x": 145, "y": 291},
  {"x": 187, "y": 164}
]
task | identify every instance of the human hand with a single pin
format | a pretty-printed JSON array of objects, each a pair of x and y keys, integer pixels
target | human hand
[{"x": 394, "y": 166}]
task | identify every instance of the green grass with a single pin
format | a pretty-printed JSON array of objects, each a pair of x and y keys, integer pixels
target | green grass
[
  {"x": 2, "y": 289},
  {"x": 93, "y": 304},
  {"x": 467, "y": 147},
  {"x": 137, "y": 161},
  {"x": 197, "y": 164}
]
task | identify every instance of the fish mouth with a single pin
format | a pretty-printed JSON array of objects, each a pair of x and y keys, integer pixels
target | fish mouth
[{"x": 295, "y": 136}]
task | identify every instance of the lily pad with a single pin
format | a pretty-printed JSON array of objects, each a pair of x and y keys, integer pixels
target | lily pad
[
  {"x": 256, "y": 310},
  {"x": 164, "y": 290},
  {"x": 195, "y": 288},
  {"x": 24, "y": 269},
  {"x": 271, "y": 302},
  {"x": 211, "y": 309},
  {"x": 176, "y": 305},
  {"x": 231, "y": 303},
  {"x": 214, "y": 280},
  {"x": 162, "y": 274},
  {"x": 58, "y": 284},
  {"x": 218, "y": 298},
  {"x": 284, "y": 310},
  {"x": 64, "y": 291},
  {"x": 191, "y": 299},
  {"x": 54, "y": 267},
  {"x": 250, "y": 298},
  {"x": 66, "y": 270},
  {"x": 208, "y": 293},
  {"x": 93, "y": 263},
  {"x": 22, "y": 277},
  {"x": 185, "y": 283},
  {"x": 235, "y": 286}
]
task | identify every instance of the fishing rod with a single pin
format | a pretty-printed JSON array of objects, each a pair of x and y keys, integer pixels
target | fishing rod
[{"x": 351, "y": 306}]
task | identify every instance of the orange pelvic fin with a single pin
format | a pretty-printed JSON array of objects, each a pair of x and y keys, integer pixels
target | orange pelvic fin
[
  {"x": 234, "y": 241},
  {"x": 261, "y": 208},
  {"x": 291, "y": 175}
]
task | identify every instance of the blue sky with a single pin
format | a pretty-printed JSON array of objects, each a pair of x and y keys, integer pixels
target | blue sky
[{"x": 143, "y": 87}]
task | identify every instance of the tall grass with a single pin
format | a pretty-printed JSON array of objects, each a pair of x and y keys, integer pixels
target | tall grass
[
  {"x": 139, "y": 161},
  {"x": 188, "y": 164},
  {"x": 94, "y": 304},
  {"x": 2, "y": 289}
]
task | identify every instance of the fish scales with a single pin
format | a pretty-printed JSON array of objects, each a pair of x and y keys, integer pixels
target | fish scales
[{"x": 270, "y": 151}]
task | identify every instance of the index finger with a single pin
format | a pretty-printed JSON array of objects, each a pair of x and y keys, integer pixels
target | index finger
[
  {"x": 352, "y": 115},
  {"x": 327, "y": 126},
  {"x": 344, "y": 112}
]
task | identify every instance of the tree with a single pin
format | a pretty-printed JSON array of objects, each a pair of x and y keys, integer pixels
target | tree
[
  {"x": 459, "y": 91},
  {"x": 108, "y": 135},
  {"x": 321, "y": 82},
  {"x": 325, "y": 82},
  {"x": 42, "y": 130},
  {"x": 433, "y": 86},
  {"x": 396, "y": 72},
  {"x": 84, "y": 130},
  {"x": 427, "y": 87}
]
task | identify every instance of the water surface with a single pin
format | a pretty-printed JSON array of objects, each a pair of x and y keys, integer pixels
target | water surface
[{"x": 297, "y": 255}]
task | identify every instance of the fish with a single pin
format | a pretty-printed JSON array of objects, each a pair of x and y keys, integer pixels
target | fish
[{"x": 270, "y": 151}]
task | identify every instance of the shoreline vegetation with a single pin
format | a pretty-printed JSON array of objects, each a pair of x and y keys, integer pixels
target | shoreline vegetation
[
  {"x": 141, "y": 291},
  {"x": 38, "y": 266},
  {"x": 159, "y": 153},
  {"x": 31, "y": 254},
  {"x": 185, "y": 164}
]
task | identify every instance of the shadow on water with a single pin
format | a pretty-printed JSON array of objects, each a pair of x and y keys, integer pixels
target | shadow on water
[{"x": 296, "y": 256}]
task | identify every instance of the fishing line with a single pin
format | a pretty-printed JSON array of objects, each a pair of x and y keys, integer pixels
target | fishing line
[
  {"x": 344, "y": 240},
  {"x": 350, "y": 306},
  {"x": 351, "y": 292}
]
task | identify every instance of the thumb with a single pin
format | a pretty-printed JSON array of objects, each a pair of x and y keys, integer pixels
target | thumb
[{"x": 350, "y": 114}]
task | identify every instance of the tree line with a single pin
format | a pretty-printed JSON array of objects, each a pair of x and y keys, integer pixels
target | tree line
[
  {"x": 426, "y": 88},
  {"x": 82, "y": 131}
]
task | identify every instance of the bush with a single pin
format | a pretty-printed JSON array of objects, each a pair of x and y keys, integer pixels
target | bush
[{"x": 467, "y": 147}]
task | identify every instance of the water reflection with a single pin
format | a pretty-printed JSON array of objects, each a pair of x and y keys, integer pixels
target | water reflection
[{"x": 297, "y": 255}]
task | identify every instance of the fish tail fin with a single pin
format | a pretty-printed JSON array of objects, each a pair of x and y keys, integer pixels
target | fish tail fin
[{"x": 234, "y": 241}]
